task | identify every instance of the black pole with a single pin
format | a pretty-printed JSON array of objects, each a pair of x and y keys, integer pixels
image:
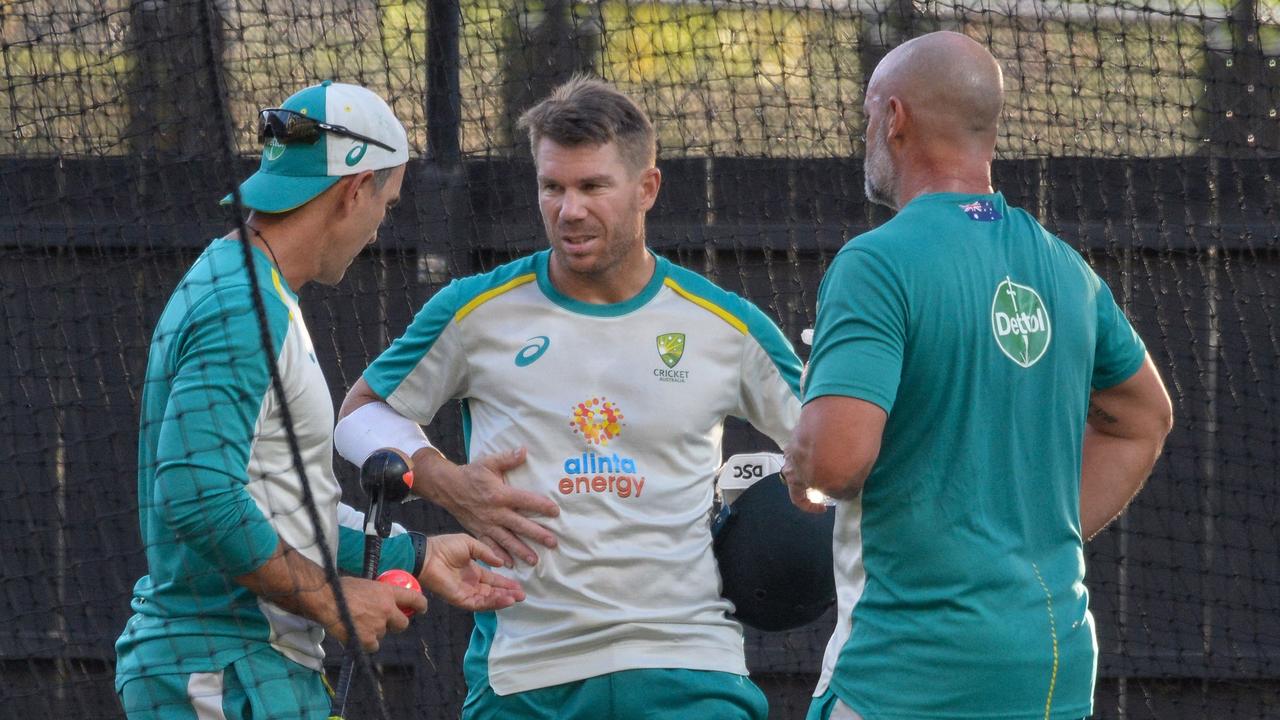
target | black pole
[
  {"x": 542, "y": 51},
  {"x": 386, "y": 479},
  {"x": 444, "y": 93},
  {"x": 175, "y": 115},
  {"x": 886, "y": 28}
]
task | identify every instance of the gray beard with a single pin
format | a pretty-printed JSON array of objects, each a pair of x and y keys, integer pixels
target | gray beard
[
  {"x": 878, "y": 195},
  {"x": 880, "y": 177}
]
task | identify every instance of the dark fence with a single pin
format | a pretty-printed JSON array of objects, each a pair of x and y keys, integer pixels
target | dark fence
[{"x": 1185, "y": 588}]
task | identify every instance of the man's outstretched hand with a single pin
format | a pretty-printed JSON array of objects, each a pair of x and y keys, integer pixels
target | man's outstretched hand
[{"x": 452, "y": 572}]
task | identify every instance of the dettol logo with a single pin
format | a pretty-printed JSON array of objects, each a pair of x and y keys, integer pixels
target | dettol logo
[{"x": 1020, "y": 323}]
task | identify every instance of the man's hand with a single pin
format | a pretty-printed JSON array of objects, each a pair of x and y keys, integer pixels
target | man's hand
[
  {"x": 477, "y": 495},
  {"x": 451, "y": 571},
  {"x": 291, "y": 581},
  {"x": 833, "y": 448},
  {"x": 799, "y": 492},
  {"x": 375, "y": 611}
]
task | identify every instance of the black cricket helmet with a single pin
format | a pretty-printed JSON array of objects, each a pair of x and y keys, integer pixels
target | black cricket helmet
[{"x": 775, "y": 559}]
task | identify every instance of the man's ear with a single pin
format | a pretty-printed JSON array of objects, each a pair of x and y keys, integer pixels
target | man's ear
[
  {"x": 650, "y": 183},
  {"x": 897, "y": 118},
  {"x": 351, "y": 187}
]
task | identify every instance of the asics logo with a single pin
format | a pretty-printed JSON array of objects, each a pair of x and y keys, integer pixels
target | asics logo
[
  {"x": 356, "y": 154},
  {"x": 531, "y": 352}
]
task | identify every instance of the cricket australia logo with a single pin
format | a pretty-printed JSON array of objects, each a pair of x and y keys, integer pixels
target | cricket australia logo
[
  {"x": 671, "y": 348},
  {"x": 1020, "y": 323}
]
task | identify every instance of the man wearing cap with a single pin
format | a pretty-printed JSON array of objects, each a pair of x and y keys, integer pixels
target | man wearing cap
[{"x": 229, "y": 620}]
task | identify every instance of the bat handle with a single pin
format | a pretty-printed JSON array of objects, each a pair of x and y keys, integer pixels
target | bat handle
[
  {"x": 377, "y": 519},
  {"x": 372, "y": 556},
  {"x": 344, "y": 686}
]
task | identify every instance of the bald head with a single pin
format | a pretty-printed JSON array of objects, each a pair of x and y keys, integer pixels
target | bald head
[
  {"x": 950, "y": 84},
  {"x": 932, "y": 106}
]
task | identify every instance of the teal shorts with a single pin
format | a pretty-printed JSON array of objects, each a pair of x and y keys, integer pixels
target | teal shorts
[
  {"x": 823, "y": 708},
  {"x": 828, "y": 707},
  {"x": 651, "y": 694},
  {"x": 263, "y": 684}
]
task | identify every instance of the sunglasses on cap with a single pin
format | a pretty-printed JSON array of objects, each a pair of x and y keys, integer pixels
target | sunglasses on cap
[{"x": 290, "y": 126}]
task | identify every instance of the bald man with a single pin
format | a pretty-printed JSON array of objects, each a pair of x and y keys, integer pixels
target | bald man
[{"x": 963, "y": 358}]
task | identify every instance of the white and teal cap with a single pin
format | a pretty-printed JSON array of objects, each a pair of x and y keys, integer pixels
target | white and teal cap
[{"x": 292, "y": 174}]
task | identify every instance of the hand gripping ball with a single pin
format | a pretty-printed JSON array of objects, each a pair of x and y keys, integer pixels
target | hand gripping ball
[{"x": 402, "y": 579}]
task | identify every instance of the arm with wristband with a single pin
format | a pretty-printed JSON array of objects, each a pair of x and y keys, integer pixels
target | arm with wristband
[
  {"x": 475, "y": 493},
  {"x": 444, "y": 564},
  {"x": 403, "y": 550},
  {"x": 401, "y": 390}
]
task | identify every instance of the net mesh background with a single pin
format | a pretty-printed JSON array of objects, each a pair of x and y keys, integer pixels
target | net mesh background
[{"x": 1143, "y": 133}]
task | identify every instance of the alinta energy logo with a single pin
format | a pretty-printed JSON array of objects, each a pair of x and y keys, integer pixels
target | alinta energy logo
[
  {"x": 598, "y": 421},
  {"x": 1020, "y": 323}
]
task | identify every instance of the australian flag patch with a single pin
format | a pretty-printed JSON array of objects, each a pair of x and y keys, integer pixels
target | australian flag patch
[{"x": 982, "y": 211}]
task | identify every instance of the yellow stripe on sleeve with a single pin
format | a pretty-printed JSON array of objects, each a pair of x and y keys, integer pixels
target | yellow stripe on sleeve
[
  {"x": 275, "y": 280},
  {"x": 706, "y": 304},
  {"x": 492, "y": 293}
]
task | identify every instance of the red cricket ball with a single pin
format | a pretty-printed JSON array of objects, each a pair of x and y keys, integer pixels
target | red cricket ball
[{"x": 402, "y": 579}]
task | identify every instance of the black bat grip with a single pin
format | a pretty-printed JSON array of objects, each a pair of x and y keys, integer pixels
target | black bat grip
[{"x": 372, "y": 555}]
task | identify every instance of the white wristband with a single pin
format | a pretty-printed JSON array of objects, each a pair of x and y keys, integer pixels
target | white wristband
[{"x": 373, "y": 427}]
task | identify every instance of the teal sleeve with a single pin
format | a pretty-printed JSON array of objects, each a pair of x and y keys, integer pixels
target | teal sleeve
[
  {"x": 770, "y": 338},
  {"x": 769, "y": 375},
  {"x": 220, "y": 380},
  {"x": 1118, "y": 352},
  {"x": 769, "y": 384},
  {"x": 397, "y": 552},
  {"x": 390, "y": 368},
  {"x": 860, "y": 335}
]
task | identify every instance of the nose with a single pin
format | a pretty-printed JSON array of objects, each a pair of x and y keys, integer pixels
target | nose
[{"x": 572, "y": 207}]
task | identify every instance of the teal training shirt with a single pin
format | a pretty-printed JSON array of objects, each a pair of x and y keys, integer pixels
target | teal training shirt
[
  {"x": 217, "y": 484},
  {"x": 960, "y": 568}
]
